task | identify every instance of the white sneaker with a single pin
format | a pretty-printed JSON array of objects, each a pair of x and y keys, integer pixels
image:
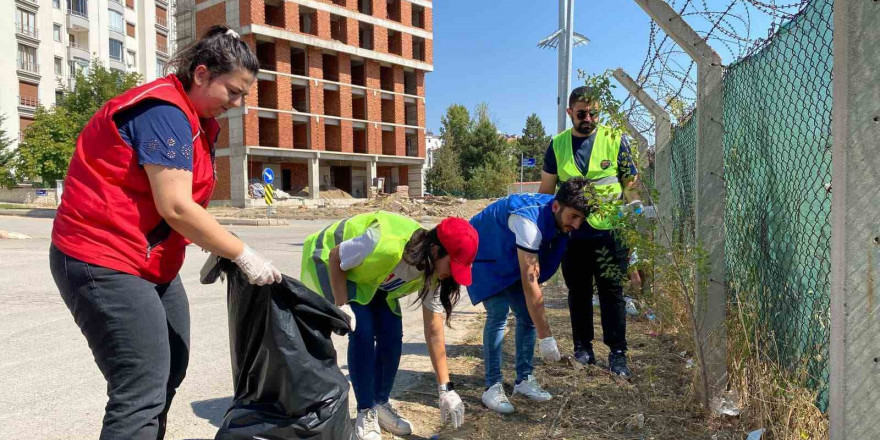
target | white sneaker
[
  {"x": 529, "y": 387},
  {"x": 367, "y": 426},
  {"x": 631, "y": 308},
  {"x": 495, "y": 399},
  {"x": 391, "y": 421}
]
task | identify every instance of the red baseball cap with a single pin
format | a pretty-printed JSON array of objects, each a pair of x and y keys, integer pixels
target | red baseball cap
[{"x": 461, "y": 242}]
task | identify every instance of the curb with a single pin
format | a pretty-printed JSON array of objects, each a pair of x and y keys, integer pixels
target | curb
[
  {"x": 34, "y": 213},
  {"x": 253, "y": 221}
]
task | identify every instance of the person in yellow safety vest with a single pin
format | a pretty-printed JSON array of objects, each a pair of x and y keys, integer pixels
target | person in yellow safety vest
[
  {"x": 595, "y": 152},
  {"x": 369, "y": 262}
]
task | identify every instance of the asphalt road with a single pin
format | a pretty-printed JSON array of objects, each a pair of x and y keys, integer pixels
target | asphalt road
[{"x": 50, "y": 387}]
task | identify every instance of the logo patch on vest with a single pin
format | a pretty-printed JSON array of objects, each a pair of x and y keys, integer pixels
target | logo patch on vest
[{"x": 605, "y": 164}]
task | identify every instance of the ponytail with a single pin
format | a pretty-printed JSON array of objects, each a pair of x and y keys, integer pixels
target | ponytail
[{"x": 220, "y": 50}]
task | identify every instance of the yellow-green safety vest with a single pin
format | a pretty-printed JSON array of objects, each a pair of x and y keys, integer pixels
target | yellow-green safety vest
[
  {"x": 601, "y": 171},
  {"x": 362, "y": 281}
]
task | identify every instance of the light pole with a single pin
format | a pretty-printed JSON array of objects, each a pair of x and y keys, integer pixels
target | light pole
[{"x": 563, "y": 40}]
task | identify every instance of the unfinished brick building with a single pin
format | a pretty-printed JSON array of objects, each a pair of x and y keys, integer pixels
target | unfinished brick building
[{"x": 339, "y": 100}]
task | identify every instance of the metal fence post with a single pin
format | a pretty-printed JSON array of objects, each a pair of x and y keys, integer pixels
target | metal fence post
[
  {"x": 709, "y": 197},
  {"x": 854, "y": 408}
]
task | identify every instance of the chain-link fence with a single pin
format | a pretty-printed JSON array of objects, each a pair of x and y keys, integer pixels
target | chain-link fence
[
  {"x": 777, "y": 163},
  {"x": 682, "y": 174}
]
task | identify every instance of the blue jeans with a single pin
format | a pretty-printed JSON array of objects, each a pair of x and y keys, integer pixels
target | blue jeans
[
  {"x": 374, "y": 349},
  {"x": 497, "y": 307}
]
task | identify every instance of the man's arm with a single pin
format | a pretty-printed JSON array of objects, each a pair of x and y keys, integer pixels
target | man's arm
[
  {"x": 548, "y": 183},
  {"x": 337, "y": 278},
  {"x": 435, "y": 338},
  {"x": 530, "y": 271}
]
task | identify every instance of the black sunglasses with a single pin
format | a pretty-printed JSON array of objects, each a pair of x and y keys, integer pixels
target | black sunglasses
[{"x": 582, "y": 114}]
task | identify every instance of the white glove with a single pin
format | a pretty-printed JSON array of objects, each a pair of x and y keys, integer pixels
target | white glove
[
  {"x": 635, "y": 207},
  {"x": 451, "y": 407},
  {"x": 259, "y": 270},
  {"x": 549, "y": 350}
]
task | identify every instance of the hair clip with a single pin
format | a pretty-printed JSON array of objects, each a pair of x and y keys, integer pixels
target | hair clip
[{"x": 232, "y": 34}]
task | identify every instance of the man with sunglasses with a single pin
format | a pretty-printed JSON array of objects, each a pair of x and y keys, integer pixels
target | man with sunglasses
[{"x": 592, "y": 151}]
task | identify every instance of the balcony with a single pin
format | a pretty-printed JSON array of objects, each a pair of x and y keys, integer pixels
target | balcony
[
  {"x": 28, "y": 69},
  {"x": 78, "y": 15},
  {"x": 78, "y": 50},
  {"x": 162, "y": 22},
  {"x": 27, "y": 32},
  {"x": 162, "y": 49}
]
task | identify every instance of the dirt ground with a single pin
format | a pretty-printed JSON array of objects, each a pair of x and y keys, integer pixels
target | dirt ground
[
  {"x": 588, "y": 402},
  {"x": 413, "y": 207}
]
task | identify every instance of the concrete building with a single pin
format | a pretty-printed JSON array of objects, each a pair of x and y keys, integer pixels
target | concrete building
[
  {"x": 52, "y": 38},
  {"x": 340, "y": 98},
  {"x": 432, "y": 143}
]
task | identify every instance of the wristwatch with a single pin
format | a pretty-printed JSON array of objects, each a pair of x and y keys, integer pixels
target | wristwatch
[{"x": 448, "y": 386}]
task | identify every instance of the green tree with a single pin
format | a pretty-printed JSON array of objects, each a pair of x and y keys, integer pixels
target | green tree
[
  {"x": 49, "y": 142},
  {"x": 456, "y": 127},
  {"x": 444, "y": 176},
  {"x": 533, "y": 144},
  {"x": 487, "y": 160},
  {"x": 492, "y": 178},
  {"x": 7, "y": 178}
]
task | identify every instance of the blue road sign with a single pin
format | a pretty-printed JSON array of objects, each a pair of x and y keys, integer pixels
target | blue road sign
[
  {"x": 528, "y": 162},
  {"x": 268, "y": 176}
]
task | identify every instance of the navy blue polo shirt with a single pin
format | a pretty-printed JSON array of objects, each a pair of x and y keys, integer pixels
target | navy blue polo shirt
[{"x": 159, "y": 132}]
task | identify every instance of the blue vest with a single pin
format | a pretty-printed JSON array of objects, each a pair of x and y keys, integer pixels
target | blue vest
[{"x": 496, "y": 266}]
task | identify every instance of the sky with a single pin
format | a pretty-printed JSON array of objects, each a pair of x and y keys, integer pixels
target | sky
[{"x": 486, "y": 51}]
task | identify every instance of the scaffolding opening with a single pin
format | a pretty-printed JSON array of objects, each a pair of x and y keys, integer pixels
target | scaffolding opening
[
  {"x": 267, "y": 94},
  {"x": 300, "y": 135},
  {"x": 358, "y": 73},
  {"x": 410, "y": 112},
  {"x": 338, "y": 29},
  {"x": 418, "y": 16},
  {"x": 300, "y": 98},
  {"x": 358, "y": 107},
  {"x": 359, "y": 140},
  {"x": 395, "y": 42},
  {"x": 274, "y": 13},
  {"x": 365, "y": 36},
  {"x": 388, "y": 111},
  {"x": 412, "y": 145},
  {"x": 388, "y": 143},
  {"x": 298, "y": 61},
  {"x": 268, "y": 130},
  {"x": 365, "y": 7},
  {"x": 266, "y": 55},
  {"x": 392, "y": 10},
  {"x": 386, "y": 78},
  {"x": 308, "y": 20},
  {"x": 418, "y": 48},
  {"x": 332, "y": 137},
  {"x": 409, "y": 83},
  {"x": 330, "y": 64}
]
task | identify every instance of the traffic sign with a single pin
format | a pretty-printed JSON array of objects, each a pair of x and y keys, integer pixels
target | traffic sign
[
  {"x": 268, "y": 176},
  {"x": 268, "y": 194},
  {"x": 528, "y": 162}
]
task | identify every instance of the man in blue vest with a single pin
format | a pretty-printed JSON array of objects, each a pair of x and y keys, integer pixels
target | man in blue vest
[
  {"x": 597, "y": 153},
  {"x": 522, "y": 241}
]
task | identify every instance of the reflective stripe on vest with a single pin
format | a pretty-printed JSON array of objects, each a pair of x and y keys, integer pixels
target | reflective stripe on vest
[{"x": 606, "y": 149}]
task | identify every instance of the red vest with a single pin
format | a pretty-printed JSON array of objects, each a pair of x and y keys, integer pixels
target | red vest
[{"x": 107, "y": 216}]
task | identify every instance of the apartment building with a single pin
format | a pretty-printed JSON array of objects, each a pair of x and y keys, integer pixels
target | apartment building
[
  {"x": 50, "y": 39},
  {"x": 339, "y": 101}
]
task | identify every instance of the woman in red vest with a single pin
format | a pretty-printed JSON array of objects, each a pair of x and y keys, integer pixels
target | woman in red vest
[{"x": 134, "y": 198}]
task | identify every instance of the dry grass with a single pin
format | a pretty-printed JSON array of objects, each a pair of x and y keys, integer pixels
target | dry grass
[{"x": 588, "y": 403}]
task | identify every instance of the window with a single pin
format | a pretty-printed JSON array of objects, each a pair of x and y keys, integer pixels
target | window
[
  {"x": 27, "y": 58},
  {"x": 56, "y": 32},
  {"x": 25, "y": 23},
  {"x": 59, "y": 70},
  {"x": 132, "y": 59},
  {"x": 115, "y": 50},
  {"x": 56, "y": 4},
  {"x": 116, "y": 22},
  {"x": 160, "y": 68},
  {"x": 78, "y": 7},
  {"x": 129, "y": 29},
  {"x": 129, "y": 4}
]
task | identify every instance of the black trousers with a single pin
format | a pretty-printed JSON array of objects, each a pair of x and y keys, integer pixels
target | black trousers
[
  {"x": 138, "y": 332},
  {"x": 587, "y": 262}
]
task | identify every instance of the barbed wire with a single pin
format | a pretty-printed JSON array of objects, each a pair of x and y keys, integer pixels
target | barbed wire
[{"x": 669, "y": 75}]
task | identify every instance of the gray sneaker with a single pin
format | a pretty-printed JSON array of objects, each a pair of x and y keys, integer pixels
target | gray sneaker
[
  {"x": 391, "y": 421},
  {"x": 495, "y": 399}
]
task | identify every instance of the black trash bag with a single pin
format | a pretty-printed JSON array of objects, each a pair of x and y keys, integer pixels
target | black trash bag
[{"x": 287, "y": 383}]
